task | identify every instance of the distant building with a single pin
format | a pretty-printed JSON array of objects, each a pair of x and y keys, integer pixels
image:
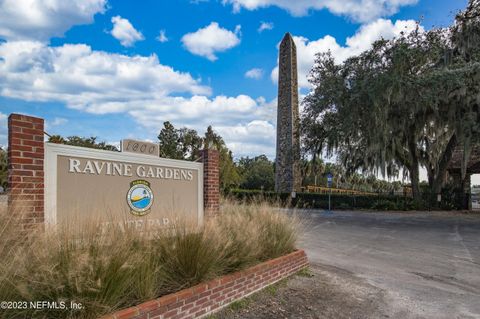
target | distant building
[
  {"x": 476, "y": 189},
  {"x": 475, "y": 197}
]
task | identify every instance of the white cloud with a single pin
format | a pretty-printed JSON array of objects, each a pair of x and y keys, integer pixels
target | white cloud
[
  {"x": 41, "y": 20},
  {"x": 3, "y": 130},
  {"x": 162, "y": 36},
  {"x": 256, "y": 137},
  {"x": 97, "y": 82},
  {"x": 265, "y": 26},
  {"x": 207, "y": 41},
  {"x": 356, "y": 44},
  {"x": 80, "y": 77},
  {"x": 59, "y": 121},
  {"x": 124, "y": 32},
  {"x": 255, "y": 73},
  {"x": 192, "y": 111},
  {"x": 358, "y": 10},
  {"x": 247, "y": 125}
]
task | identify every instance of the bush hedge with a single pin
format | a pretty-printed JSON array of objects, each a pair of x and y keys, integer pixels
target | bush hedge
[{"x": 345, "y": 202}]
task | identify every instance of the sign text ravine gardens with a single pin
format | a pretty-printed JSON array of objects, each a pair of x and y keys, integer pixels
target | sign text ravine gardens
[
  {"x": 119, "y": 188},
  {"x": 121, "y": 169}
]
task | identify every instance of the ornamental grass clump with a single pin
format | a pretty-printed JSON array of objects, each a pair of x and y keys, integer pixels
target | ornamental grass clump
[
  {"x": 266, "y": 231},
  {"x": 105, "y": 270}
]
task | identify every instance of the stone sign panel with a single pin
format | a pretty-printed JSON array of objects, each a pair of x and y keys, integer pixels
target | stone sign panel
[
  {"x": 140, "y": 147},
  {"x": 52, "y": 184},
  {"x": 119, "y": 188}
]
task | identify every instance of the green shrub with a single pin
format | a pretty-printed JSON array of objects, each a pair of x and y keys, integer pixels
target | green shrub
[
  {"x": 275, "y": 235},
  {"x": 384, "y": 205},
  {"x": 314, "y": 200},
  {"x": 344, "y": 206},
  {"x": 188, "y": 257},
  {"x": 451, "y": 199},
  {"x": 239, "y": 237}
]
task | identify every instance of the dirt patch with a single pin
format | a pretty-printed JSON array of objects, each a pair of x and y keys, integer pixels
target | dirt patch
[{"x": 323, "y": 292}]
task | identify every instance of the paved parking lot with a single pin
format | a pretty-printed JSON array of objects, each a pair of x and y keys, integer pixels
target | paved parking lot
[{"x": 426, "y": 264}]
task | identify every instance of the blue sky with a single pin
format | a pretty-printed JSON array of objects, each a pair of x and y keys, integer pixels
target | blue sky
[{"x": 119, "y": 69}]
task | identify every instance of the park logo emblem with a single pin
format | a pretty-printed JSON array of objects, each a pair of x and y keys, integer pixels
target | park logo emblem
[{"x": 140, "y": 198}]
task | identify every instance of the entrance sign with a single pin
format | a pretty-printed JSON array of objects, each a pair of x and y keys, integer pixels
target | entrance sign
[
  {"x": 50, "y": 184},
  {"x": 140, "y": 147},
  {"x": 132, "y": 190}
]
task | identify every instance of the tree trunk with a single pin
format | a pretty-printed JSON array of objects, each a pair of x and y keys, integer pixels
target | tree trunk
[
  {"x": 414, "y": 166},
  {"x": 443, "y": 165},
  {"x": 415, "y": 180},
  {"x": 431, "y": 176}
]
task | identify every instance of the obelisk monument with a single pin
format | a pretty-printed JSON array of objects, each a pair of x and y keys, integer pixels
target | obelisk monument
[{"x": 287, "y": 169}]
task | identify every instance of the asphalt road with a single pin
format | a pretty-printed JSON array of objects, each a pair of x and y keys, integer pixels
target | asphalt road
[{"x": 426, "y": 264}]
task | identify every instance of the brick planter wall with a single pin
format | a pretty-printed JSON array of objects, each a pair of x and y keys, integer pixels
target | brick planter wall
[{"x": 205, "y": 298}]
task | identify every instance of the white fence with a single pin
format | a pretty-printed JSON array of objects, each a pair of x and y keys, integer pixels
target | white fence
[{"x": 475, "y": 204}]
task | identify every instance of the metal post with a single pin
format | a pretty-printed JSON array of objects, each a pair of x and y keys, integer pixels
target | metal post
[
  {"x": 329, "y": 184},
  {"x": 329, "y": 205}
]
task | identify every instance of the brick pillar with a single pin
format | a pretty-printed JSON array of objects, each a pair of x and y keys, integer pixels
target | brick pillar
[
  {"x": 25, "y": 168},
  {"x": 211, "y": 182}
]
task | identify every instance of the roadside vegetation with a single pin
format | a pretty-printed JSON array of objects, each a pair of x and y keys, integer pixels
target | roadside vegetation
[
  {"x": 117, "y": 269},
  {"x": 405, "y": 103},
  {"x": 450, "y": 200}
]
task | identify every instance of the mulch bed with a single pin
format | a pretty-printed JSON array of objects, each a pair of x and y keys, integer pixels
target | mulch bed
[{"x": 322, "y": 292}]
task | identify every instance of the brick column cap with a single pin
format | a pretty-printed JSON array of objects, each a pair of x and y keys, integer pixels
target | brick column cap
[{"x": 23, "y": 117}]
